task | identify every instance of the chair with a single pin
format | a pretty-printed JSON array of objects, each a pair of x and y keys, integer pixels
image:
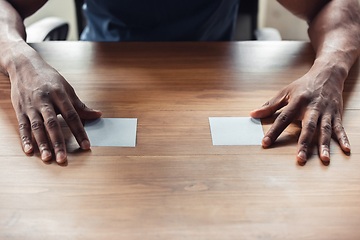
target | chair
[
  {"x": 248, "y": 11},
  {"x": 50, "y": 28},
  {"x": 80, "y": 16},
  {"x": 247, "y": 23}
]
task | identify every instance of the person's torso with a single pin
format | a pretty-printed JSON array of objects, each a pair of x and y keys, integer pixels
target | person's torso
[{"x": 159, "y": 20}]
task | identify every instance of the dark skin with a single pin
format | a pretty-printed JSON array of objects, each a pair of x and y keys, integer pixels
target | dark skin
[
  {"x": 316, "y": 98},
  {"x": 39, "y": 92}
]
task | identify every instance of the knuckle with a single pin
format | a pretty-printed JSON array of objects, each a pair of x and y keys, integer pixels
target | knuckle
[
  {"x": 52, "y": 123},
  {"x": 344, "y": 138},
  {"x": 72, "y": 116},
  {"x": 37, "y": 125},
  {"x": 304, "y": 97},
  {"x": 20, "y": 105},
  {"x": 283, "y": 117},
  {"x": 58, "y": 144},
  {"x": 271, "y": 134},
  {"x": 83, "y": 106},
  {"x": 304, "y": 145},
  {"x": 311, "y": 125},
  {"x": 326, "y": 128},
  {"x": 43, "y": 146},
  {"x": 325, "y": 143},
  {"x": 337, "y": 102},
  {"x": 42, "y": 94},
  {"x": 338, "y": 128},
  {"x": 59, "y": 91},
  {"x": 45, "y": 92},
  {"x": 80, "y": 133},
  {"x": 325, "y": 146},
  {"x": 46, "y": 108},
  {"x": 265, "y": 104},
  {"x": 25, "y": 138},
  {"x": 23, "y": 126},
  {"x": 315, "y": 104}
]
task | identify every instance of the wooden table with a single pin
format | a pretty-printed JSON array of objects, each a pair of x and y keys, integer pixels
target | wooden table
[{"x": 175, "y": 184}]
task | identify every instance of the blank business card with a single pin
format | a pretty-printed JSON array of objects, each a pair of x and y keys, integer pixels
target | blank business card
[
  {"x": 236, "y": 131},
  {"x": 112, "y": 132}
]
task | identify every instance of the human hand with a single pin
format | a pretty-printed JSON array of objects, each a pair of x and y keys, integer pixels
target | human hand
[
  {"x": 38, "y": 94},
  {"x": 316, "y": 100}
]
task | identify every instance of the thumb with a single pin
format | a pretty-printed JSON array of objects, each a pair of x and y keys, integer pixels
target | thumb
[
  {"x": 270, "y": 107},
  {"x": 85, "y": 112}
]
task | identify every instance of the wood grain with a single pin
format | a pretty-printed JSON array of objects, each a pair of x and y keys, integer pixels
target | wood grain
[{"x": 175, "y": 184}]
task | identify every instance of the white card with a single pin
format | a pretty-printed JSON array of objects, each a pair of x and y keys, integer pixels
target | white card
[
  {"x": 112, "y": 132},
  {"x": 236, "y": 131}
]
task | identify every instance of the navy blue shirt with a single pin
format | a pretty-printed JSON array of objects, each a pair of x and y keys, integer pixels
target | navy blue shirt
[{"x": 159, "y": 20}]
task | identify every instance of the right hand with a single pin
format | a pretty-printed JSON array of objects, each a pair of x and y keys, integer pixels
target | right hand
[
  {"x": 38, "y": 94},
  {"x": 316, "y": 100}
]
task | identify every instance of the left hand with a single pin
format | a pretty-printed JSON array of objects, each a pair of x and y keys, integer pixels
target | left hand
[{"x": 316, "y": 100}]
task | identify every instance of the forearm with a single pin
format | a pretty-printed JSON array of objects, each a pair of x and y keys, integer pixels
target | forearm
[
  {"x": 316, "y": 98},
  {"x": 13, "y": 48},
  {"x": 335, "y": 36},
  {"x": 12, "y": 34}
]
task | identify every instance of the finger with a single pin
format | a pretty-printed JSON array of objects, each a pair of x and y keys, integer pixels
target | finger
[
  {"x": 341, "y": 135},
  {"x": 325, "y": 137},
  {"x": 73, "y": 120},
  {"x": 53, "y": 128},
  {"x": 309, "y": 124},
  {"x": 72, "y": 112},
  {"x": 38, "y": 129},
  {"x": 25, "y": 133},
  {"x": 281, "y": 122},
  {"x": 271, "y": 106},
  {"x": 85, "y": 112}
]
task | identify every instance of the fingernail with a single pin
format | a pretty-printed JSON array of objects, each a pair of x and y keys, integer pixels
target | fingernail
[
  {"x": 27, "y": 148},
  {"x": 346, "y": 145},
  {"x": 60, "y": 157},
  {"x": 266, "y": 142},
  {"x": 95, "y": 110},
  {"x": 302, "y": 156},
  {"x": 45, "y": 155},
  {"x": 85, "y": 145},
  {"x": 326, "y": 154}
]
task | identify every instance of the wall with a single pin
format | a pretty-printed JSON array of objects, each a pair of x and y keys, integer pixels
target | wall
[{"x": 272, "y": 14}]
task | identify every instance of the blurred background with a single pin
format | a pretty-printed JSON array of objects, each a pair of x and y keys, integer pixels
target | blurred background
[{"x": 270, "y": 14}]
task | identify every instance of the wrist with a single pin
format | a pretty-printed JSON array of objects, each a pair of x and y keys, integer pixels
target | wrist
[
  {"x": 332, "y": 68},
  {"x": 16, "y": 56}
]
